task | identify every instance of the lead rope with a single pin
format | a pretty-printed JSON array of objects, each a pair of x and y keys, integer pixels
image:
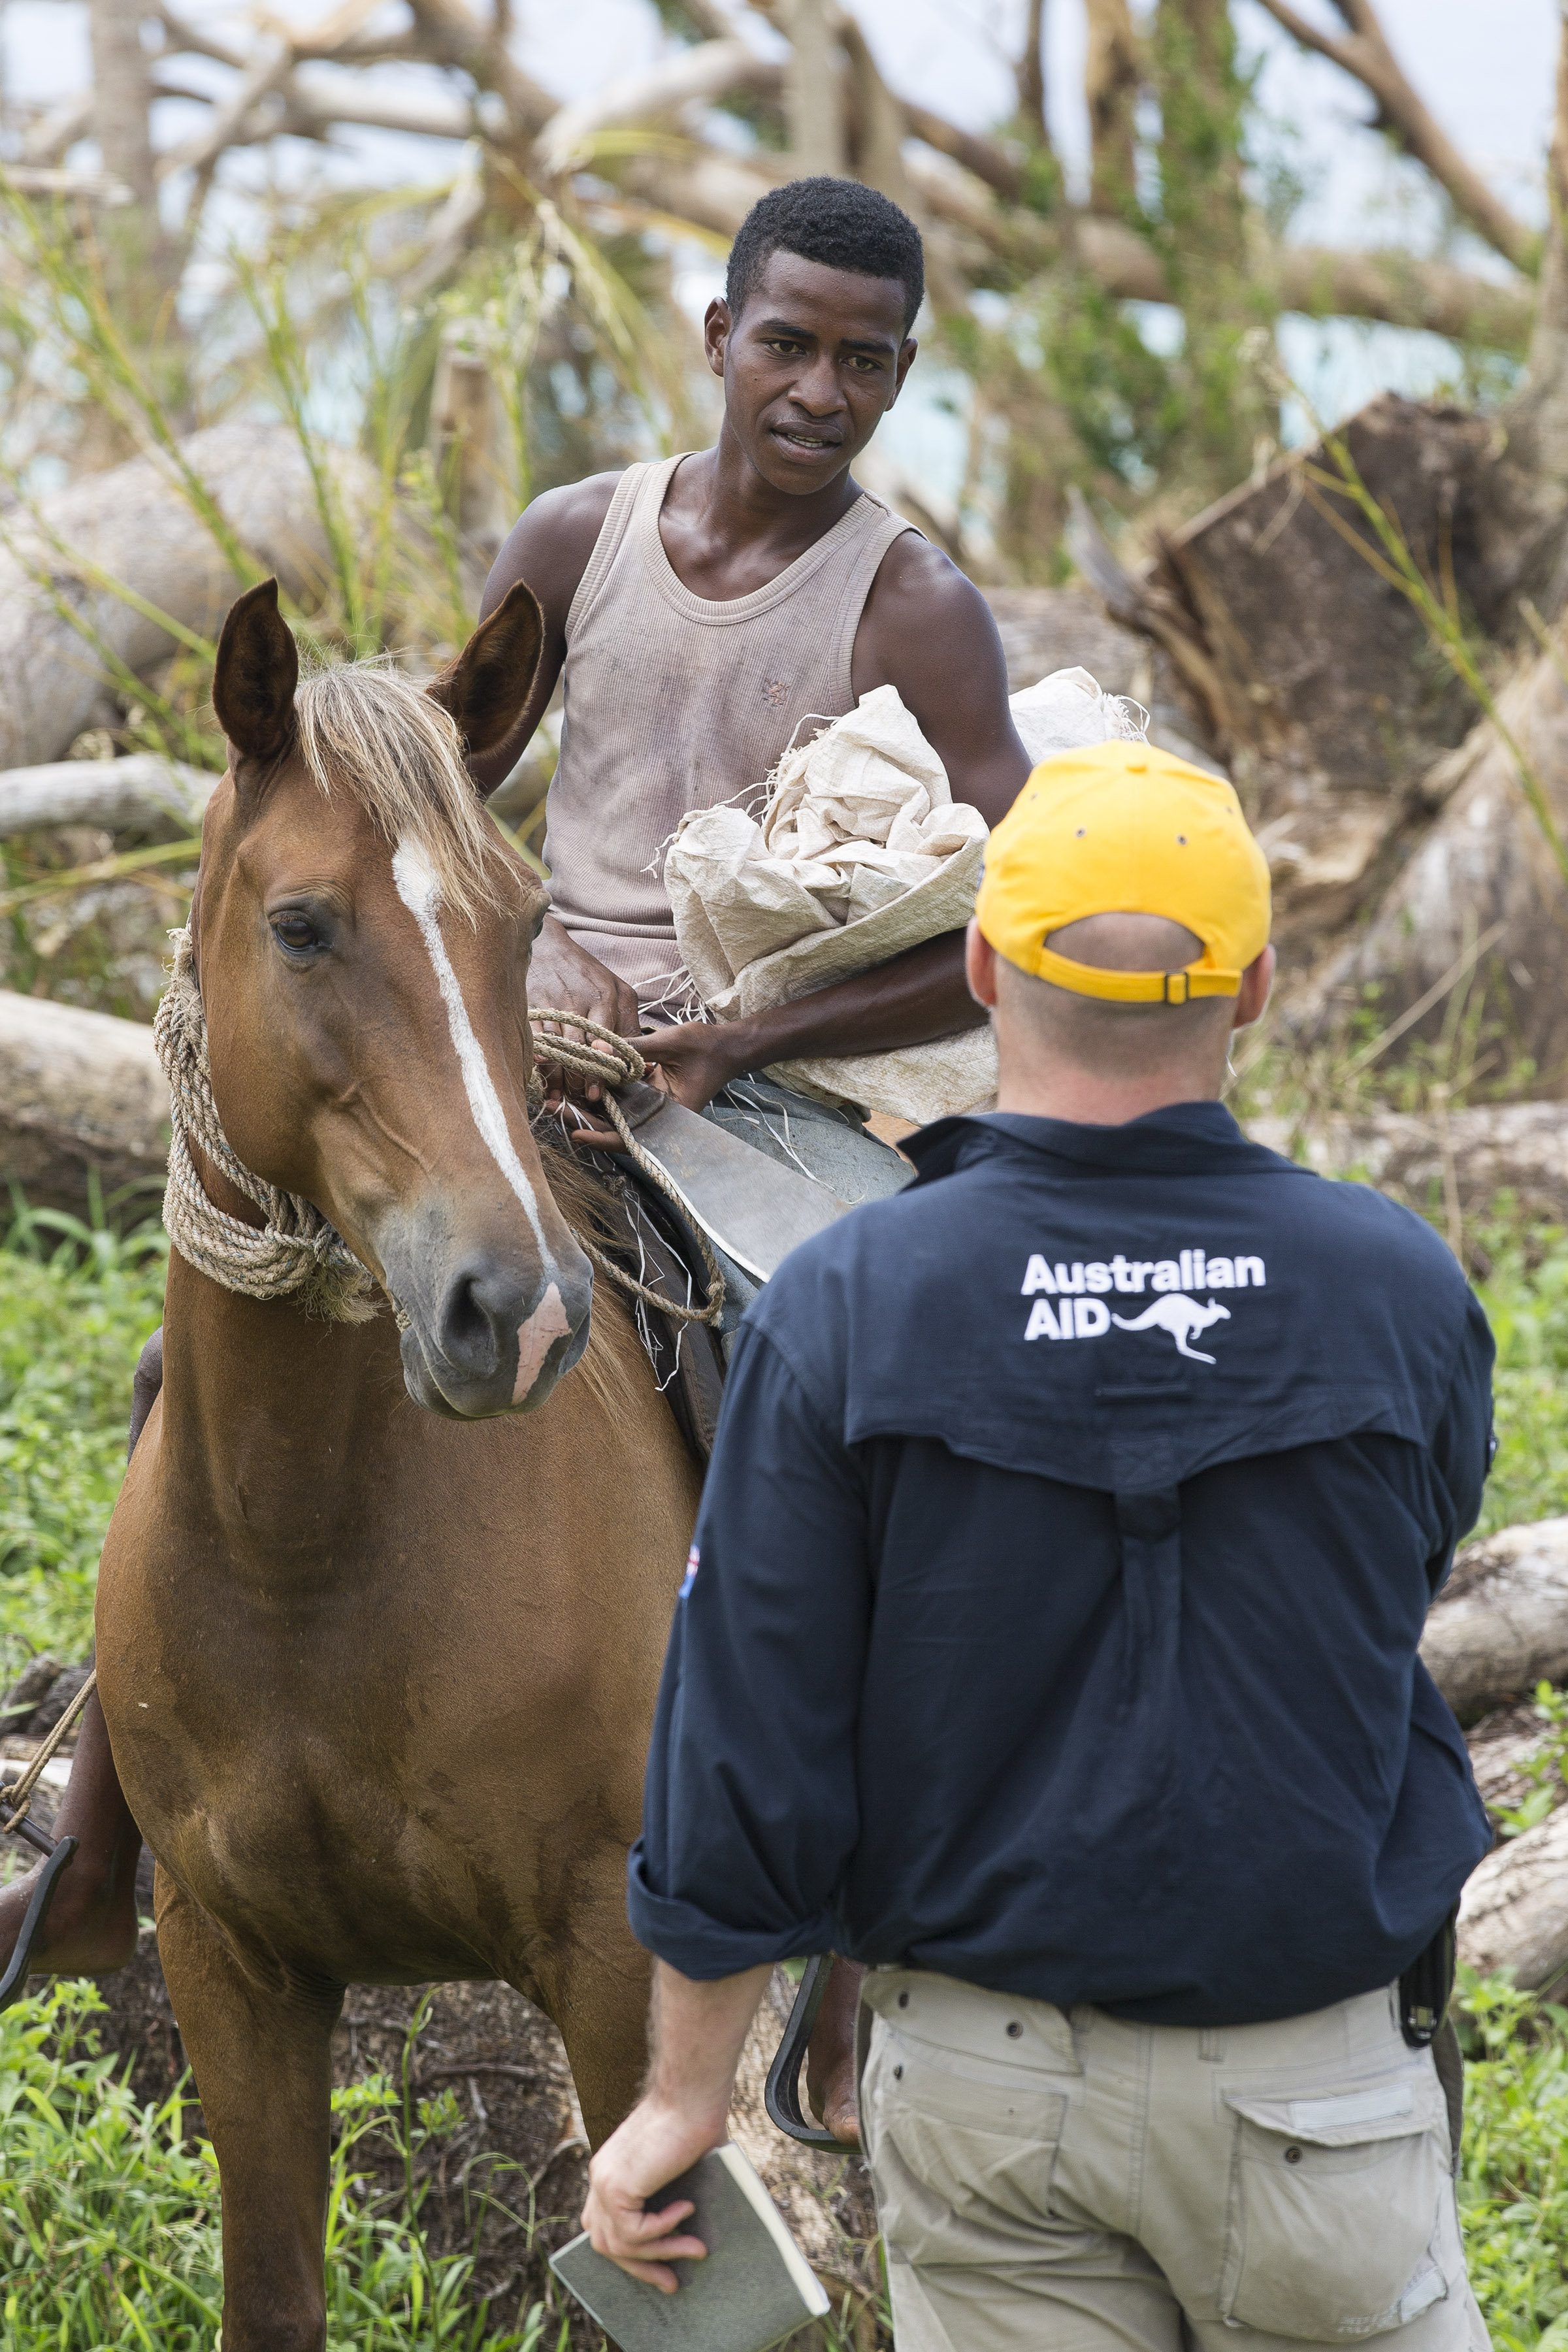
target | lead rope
[
  {"x": 298, "y": 1253},
  {"x": 16, "y": 1796},
  {"x": 614, "y": 1060}
]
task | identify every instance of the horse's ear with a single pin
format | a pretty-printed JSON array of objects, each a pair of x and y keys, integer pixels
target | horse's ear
[
  {"x": 487, "y": 686},
  {"x": 257, "y": 671}
]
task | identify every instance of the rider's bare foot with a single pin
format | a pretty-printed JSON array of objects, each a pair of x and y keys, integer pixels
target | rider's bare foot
[
  {"x": 90, "y": 1924},
  {"x": 831, "y": 2086},
  {"x": 90, "y": 1927}
]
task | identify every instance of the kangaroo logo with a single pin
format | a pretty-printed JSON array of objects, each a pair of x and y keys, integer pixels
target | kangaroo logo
[{"x": 1181, "y": 1317}]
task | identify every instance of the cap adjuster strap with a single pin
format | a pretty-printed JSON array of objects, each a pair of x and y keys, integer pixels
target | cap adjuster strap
[{"x": 1135, "y": 987}]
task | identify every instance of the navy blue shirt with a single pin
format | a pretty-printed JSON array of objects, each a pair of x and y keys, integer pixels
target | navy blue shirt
[{"x": 1058, "y": 1584}]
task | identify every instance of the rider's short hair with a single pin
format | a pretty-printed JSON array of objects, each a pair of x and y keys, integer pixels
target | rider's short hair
[{"x": 835, "y": 222}]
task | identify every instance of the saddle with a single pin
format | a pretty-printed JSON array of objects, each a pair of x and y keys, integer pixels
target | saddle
[{"x": 656, "y": 1242}]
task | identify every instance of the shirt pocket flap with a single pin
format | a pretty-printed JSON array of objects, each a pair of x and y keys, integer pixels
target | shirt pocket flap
[{"x": 1376, "y": 2111}]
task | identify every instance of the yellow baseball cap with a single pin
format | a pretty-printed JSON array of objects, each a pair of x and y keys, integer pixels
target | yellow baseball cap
[{"x": 1126, "y": 829}]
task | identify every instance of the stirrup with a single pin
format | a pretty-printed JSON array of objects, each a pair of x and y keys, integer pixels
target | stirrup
[
  {"x": 781, "y": 2091},
  {"x": 14, "y": 1983}
]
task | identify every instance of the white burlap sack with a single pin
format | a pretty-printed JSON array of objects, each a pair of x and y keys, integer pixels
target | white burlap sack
[
  {"x": 861, "y": 853},
  {"x": 1068, "y": 712}
]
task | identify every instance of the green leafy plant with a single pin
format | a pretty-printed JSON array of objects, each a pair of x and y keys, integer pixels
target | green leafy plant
[
  {"x": 108, "y": 2211},
  {"x": 78, "y": 1300},
  {"x": 1513, "y": 2181},
  {"x": 1544, "y": 1769}
]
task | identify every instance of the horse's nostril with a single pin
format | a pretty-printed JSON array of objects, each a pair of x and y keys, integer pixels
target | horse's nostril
[{"x": 468, "y": 1331}]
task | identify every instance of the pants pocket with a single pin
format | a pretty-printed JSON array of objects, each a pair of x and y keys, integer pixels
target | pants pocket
[
  {"x": 961, "y": 2150},
  {"x": 1336, "y": 2207}
]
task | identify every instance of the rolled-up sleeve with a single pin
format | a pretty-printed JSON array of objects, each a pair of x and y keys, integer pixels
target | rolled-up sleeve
[{"x": 750, "y": 1807}]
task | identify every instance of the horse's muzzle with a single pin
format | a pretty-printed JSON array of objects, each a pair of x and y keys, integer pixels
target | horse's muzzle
[{"x": 485, "y": 1337}]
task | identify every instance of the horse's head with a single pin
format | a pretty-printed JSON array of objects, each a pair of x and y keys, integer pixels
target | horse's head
[{"x": 361, "y": 935}]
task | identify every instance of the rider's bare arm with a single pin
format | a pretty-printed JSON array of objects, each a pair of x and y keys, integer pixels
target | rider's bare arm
[
  {"x": 927, "y": 631},
  {"x": 549, "y": 548}
]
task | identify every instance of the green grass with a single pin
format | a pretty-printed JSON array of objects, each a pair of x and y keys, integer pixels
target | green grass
[
  {"x": 1526, "y": 1299},
  {"x": 109, "y": 2213},
  {"x": 76, "y": 1306},
  {"x": 1513, "y": 2185}
]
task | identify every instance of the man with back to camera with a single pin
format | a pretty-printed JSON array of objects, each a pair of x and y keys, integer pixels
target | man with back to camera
[
  {"x": 702, "y": 608},
  {"x": 1051, "y": 1644}
]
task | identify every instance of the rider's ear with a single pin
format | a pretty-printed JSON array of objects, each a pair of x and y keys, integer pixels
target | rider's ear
[
  {"x": 487, "y": 686},
  {"x": 257, "y": 671}
]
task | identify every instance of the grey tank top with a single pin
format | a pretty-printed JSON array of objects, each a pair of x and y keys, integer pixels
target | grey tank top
[{"x": 674, "y": 703}]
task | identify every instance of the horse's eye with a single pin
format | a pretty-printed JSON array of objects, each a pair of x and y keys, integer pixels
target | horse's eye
[{"x": 295, "y": 933}]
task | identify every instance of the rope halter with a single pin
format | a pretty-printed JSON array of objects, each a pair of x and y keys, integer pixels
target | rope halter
[{"x": 297, "y": 1254}]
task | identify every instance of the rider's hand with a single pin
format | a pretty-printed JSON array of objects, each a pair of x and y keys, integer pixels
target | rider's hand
[
  {"x": 567, "y": 978},
  {"x": 656, "y": 2143},
  {"x": 695, "y": 1059},
  {"x": 690, "y": 1060}
]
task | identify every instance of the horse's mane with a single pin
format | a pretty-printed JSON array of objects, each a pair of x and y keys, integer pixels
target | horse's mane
[{"x": 366, "y": 728}]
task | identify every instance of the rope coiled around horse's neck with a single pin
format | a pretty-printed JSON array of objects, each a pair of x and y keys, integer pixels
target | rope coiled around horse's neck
[{"x": 297, "y": 1254}]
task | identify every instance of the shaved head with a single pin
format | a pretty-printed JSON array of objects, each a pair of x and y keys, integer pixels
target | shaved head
[{"x": 1095, "y": 1032}]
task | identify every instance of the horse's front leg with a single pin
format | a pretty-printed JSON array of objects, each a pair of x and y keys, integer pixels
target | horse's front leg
[{"x": 262, "y": 2064}]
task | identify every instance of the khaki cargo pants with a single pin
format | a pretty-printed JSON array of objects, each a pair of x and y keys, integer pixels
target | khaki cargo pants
[{"x": 1072, "y": 2183}]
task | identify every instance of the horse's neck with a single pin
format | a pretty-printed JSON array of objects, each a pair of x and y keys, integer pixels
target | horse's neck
[{"x": 272, "y": 1421}]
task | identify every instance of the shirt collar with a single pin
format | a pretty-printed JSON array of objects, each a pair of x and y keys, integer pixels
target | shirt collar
[{"x": 1183, "y": 1139}]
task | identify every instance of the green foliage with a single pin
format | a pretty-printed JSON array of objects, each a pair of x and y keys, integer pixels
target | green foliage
[
  {"x": 76, "y": 1304},
  {"x": 1513, "y": 2184},
  {"x": 1544, "y": 1769},
  {"x": 109, "y": 2215},
  {"x": 1526, "y": 1299}
]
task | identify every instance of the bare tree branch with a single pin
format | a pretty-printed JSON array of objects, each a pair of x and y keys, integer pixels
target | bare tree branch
[
  {"x": 811, "y": 87},
  {"x": 1365, "y": 54},
  {"x": 1030, "y": 72},
  {"x": 985, "y": 157},
  {"x": 45, "y": 141},
  {"x": 450, "y": 34},
  {"x": 1112, "y": 77},
  {"x": 50, "y": 180},
  {"x": 197, "y": 44},
  {"x": 267, "y": 70},
  {"x": 313, "y": 103},
  {"x": 713, "y": 69},
  {"x": 878, "y": 127},
  {"x": 122, "y": 92},
  {"x": 716, "y": 191}
]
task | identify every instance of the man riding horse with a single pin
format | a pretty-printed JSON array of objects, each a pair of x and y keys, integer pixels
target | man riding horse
[{"x": 700, "y": 610}]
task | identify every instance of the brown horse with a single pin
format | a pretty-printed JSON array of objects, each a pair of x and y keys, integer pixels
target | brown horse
[{"x": 378, "y": 1680}]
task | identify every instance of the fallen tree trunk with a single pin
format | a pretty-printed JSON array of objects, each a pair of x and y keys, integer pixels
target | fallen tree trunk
[
  {"x": 139, "y": 794},
  {"x": 80, "y": 1092},
  {"x": 1501, "y": 1624},
  {"x": 1514, "y": 1911},
  {"x": 1520, "y": 1148},
  {"x": 132, "y": 524},
  {"x": 1485, "y": 861}
]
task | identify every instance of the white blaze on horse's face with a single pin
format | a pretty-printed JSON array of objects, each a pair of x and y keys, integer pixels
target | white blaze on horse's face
[{"x": 420, "y": 892}]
